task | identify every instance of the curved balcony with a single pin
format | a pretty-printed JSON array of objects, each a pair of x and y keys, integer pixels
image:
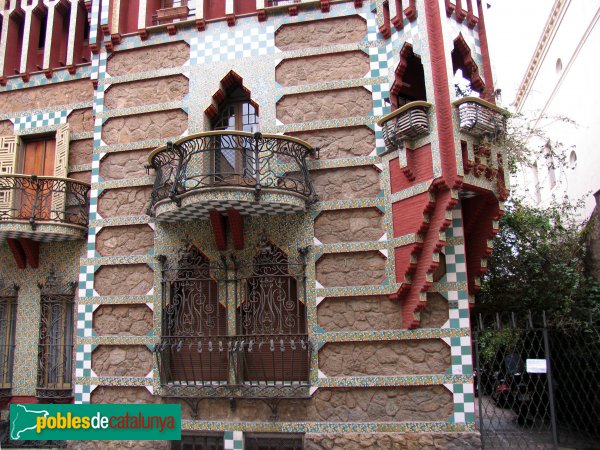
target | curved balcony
[
  {"x": 43, "y": 208},
  {"x": 222, "y": 170},
  {"x": 410, "y": 121},
  {"x": 480, "y": 118}
]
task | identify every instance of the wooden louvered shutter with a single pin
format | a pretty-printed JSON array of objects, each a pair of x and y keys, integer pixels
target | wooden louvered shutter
[
  {"x": 61, "y": 161},
  {"x": 8, "y": 164}
]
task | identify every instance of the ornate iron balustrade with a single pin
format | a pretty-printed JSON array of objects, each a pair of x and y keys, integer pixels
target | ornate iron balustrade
[
  {"x": 226, "y": 159},
  {"x": 234, "y": 366},
  {"x": 43, "y": 199},
  {"x": 480, "y": 118},
  {"x": 410, "y": 121}
]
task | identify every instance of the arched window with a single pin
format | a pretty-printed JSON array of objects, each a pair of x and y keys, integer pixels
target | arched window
[
  {"x": 272, "y": 320},
  {"x": 193, "y": 349},
  {"x": 409, "y": 83}
]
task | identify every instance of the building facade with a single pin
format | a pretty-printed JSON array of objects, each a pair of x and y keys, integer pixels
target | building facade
[{"x": 272, "y": 213}]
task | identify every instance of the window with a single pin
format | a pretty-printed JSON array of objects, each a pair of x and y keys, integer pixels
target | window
[
  {"x": 198, "y": 442},
  {"x": 8, "y": 316},
  {"x": 273, "y": 442},
  {"x": 55, "y": 354},
  {"x": 266, "y": 344},
  {"x": 573, "y": 159}
]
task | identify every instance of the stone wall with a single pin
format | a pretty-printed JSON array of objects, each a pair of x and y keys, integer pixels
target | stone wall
[
  {"x": 396, "y": 441},
  {"x": 122, "y": 360},
  {"x": 346, "y": 184},
  {"x": 81, "y": 120},
  {"x": 132, "y": 279},
  {"x": 146, "y": 92},
  {"x": 360, "y": 314},
  {"x": 148, "y": 58},
  {"x": 430, "y": 356},
  {"x": 335, "y": 104},
  {"x": 320, "y": 33},
  {"x": 336, "y": 66},
  {"x": 80, "y": 152},
  {"x": 123, "y": 320},
  {"x": 122, "y": 165},
  {"x": 125, "y": 240},
  {"x": 349, "y": 225},
  {"x": 85, "y": 176},
  {"x": 46, "y": 96},
  {"x": 157, "y": 125},
  {"x": 123, "y": 202},
  {"x": 335, "y": 143},
  {"x": 351, "y": 269},
  {"x": 436, "y": 313}
]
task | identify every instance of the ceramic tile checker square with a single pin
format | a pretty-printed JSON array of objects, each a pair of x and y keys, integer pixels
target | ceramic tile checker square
[
  {"x": 233, "y": 440},
  {"x": 232, "y": 43},
  {"x": 41, "y": 120}
]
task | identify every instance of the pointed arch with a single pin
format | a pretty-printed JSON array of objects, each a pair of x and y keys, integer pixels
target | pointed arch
[
  {"x": 409, "y": 83},
  {"x": 463, "y": 59},
  {"x": 231, "y": 91}
]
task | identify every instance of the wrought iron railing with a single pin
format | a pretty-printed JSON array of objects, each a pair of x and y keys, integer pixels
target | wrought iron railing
[
  {"x": 480, "y": 118},
  {"x": 55, "y": 371},
  {"x": 233, "y": 366},
  {"x": 44, "y": 199},
  {"x": 218, "y": 159},
  {"x": 410, "y": 121},
  {"x": 7, "y": 352}
]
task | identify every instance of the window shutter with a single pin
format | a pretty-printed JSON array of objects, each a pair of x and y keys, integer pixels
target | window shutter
[
  {"x": 61, "y": 161},
  {"x": 8, "y": 164}
]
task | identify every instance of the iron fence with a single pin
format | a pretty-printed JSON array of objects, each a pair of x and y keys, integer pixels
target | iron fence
[
  {"x": 44, "y": 199},
  {"x": 537, "y": 382},
  {"x": 219, "y": 159}
]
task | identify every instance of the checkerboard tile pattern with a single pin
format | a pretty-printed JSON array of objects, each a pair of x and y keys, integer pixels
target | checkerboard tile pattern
[
  {"x": 233, "y": 440},
  {"x": 458, "y": 301},
  {"x": 232, "y": 43},
  {"x": 41, "y": 120}
]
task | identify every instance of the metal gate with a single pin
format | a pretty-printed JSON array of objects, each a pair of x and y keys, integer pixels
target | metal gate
[{"x": 537, "y": 381}]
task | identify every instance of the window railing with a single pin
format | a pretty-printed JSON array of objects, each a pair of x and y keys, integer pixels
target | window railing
[
  {"x": 44, "y": 199},
  {"x": 7, "y": 353},
  {"x": 223, "y": 159},
  {"x": 480, "y": 118},
  {"x": 408, "y": 122}
]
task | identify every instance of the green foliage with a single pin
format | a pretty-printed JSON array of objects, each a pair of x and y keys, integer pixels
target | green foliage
[
  {"x": 492, "y": 341},
  {"x": 538, "y": 264}
]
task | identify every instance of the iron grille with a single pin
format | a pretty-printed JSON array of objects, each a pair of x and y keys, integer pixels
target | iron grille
[
  {"x": 198, "y": 442},
  {"x": 266, "y": 353},
  {"x": 55, "y": 353},
  {"x": 273, "y": 442},
  {"x": 44, "y": 199},
  {"x": 8, "y": 315},
  {"x": 230, "y": 158}
]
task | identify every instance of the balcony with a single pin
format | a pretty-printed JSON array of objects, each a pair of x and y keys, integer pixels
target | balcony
[
  {"x": 253, "y": 174},
  {"x": 171, "y": 10},
  {"x": 408, "y": 122},
  {"x": 480, "y": 118},
  {"x": 43, "y": 208},
  {"x": 257, "y": 366}
]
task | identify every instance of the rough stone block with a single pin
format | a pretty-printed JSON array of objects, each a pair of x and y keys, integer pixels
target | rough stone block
[
  {"x": 141, "y": 127},
  {"x": 396, "y": 441},
  {"x": 81, "y": 120},
  {"x": 335, "y": 143},
  {"x": 328, "y": 67},
  {"x": 47, "y": 96},
  {"x": 435, "y": 314},
  {"x": 321, "y": 33},
  {"x": 123, "y": 165},
  {"x": 349, "y": 225},
  {"x": 324, "y": 105},
  {"x": 80, "y": 152},
  {"x": 132, "y": 279},
  {"x": 125, "y": 240},
  {"x": 148, "y": 58},
  {"x": 146, "y": 92},
  {"x": 123, "y": 320},
  {"x": 124, "y": 202},
  {"x": 122, "y": 360},
  {"x": 347, "y": 183},
  {"x": 359, "y": 314},
  {"x": 351, "y": 269}
]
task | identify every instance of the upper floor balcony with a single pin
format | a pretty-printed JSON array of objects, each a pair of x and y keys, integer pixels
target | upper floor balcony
[
  {"x": 480, "y": 118},
  {"x": 408, "y": 122},
  {"x": 253, "y": 174},
  {"x": 43, "y": 208}
]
